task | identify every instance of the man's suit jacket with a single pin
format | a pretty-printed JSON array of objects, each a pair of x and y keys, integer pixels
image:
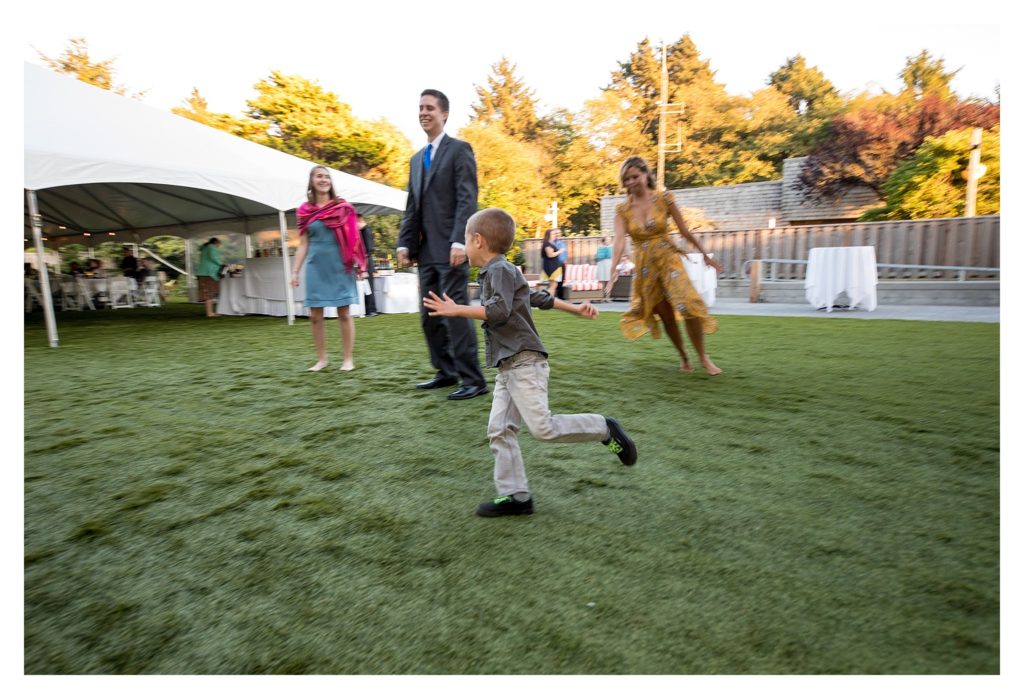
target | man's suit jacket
[{"x": 440, "y": 203}]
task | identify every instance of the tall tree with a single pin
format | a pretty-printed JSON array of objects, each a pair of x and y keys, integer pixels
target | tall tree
[
  {"x": 813, "y": 99},
  {"x": 506, "y": 100},
  {"x": 699, "y": 138},
  {"x": 76, "y": 61},
  {"x": 926, "y": 75}
]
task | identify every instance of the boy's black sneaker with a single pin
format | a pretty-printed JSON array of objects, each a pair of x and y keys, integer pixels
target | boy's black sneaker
[
  {"x": 505, "y": 505},
  {"x": 619, "y": 443}
]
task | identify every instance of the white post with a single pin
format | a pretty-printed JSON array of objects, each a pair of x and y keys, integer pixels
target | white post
[
  {"x": 44, "y": 273},
  {"x": 288, "y": 294},
  {"x": 973, "y": 173}
]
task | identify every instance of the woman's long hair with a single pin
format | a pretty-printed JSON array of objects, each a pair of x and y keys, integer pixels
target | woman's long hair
[
  {"x": 641, "y": 165},
  {"x": 311, "y": 193},
  {"x": 211, "y": 241},
  {"x": 548, "y": 232}
]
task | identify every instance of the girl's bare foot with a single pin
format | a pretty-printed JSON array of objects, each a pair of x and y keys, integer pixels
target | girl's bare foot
[
  {"x": 347, "y": 365},
  {"x": 709, "y": 366},
  {"x": 685, "y": 366},
  {"x": 318, "y": 366}
]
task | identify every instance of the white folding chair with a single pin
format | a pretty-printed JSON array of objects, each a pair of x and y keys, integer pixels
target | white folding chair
[
  {"x": 120, "y": 293},
  {"x": 85, "y": 293},
  {"x": 70, "y": 297},
  {"x": 33, "y": 297},
  {"x": 150, "y": 292}
]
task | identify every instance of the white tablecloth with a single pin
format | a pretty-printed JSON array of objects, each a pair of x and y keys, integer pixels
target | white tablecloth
[
  {"x": 397, "y": 293},
  {"x": 832, "y": 271},
  {"x": 703, "y": 278},
  {"x": 261, "y": 291}
]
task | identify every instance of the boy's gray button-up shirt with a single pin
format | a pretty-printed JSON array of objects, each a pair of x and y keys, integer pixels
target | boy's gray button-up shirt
[{"x": 506, "y": 298}]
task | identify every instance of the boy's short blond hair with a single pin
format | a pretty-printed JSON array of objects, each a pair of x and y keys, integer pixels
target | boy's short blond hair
[{"x": 496, "y": 227}]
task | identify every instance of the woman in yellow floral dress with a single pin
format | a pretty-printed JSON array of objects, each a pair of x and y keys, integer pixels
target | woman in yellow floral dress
[{"x": 661, "y": 287}]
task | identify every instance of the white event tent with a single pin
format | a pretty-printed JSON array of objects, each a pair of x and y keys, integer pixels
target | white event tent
[{"x": 98, "y": 163}]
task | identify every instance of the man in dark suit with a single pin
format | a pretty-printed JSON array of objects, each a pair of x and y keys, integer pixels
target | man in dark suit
[
  {"x": 367, "y": 233},
  {"x": 442, "y": 197}
]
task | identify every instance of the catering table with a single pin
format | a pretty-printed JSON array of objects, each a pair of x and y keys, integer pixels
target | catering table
[
  {"x": 832, "y": 271},
  {"x": 261, "y": 290},
  {"x": 703, "y": 278},
  {"x": 397, "y": 293}
]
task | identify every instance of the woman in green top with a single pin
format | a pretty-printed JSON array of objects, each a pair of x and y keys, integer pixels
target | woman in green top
[{"x": 209, "y": 274}]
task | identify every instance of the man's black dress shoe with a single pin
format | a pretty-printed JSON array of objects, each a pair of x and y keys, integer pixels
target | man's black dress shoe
[
  {"x": 467, "y": 392},
  {"x": 438, "y": 382}
]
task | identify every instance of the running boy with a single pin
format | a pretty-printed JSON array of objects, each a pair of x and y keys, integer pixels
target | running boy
[{"x": 514, "y": 347}]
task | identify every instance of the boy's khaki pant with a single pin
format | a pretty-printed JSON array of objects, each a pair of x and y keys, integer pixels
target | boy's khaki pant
[{"x": 521, "y": 395}]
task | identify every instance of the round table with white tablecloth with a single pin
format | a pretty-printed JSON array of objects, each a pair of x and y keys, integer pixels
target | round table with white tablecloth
[{"x": 850, "y": 270}]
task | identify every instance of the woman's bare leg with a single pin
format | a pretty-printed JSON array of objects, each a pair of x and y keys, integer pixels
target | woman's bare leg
[
  {"x": 348, "y": 337},
  {"x": 668, "y": 319},
  {"x": 695, "y": 329},
  {"x": 316, "y": 326}
]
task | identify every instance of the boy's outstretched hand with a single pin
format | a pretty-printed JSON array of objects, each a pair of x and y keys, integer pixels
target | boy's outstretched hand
[
  {"x": 439, "y": 306},
  {"x": 587, "y": 310}
]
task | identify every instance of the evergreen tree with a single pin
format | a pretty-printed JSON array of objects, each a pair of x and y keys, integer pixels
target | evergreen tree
[{"x": 506, "y": 100}]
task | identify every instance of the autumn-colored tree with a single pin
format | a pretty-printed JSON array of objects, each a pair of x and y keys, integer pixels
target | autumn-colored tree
[
  {"x": 867, "y": 145},
  {"x": 197, "y": 109},
  {"x": 76, "y": 61},
  {"x": 509, "y": 173},
  {"x": 932, "y": 183}
]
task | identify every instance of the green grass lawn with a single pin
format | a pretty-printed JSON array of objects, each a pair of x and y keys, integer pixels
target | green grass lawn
[{"x": 197, "y": 503}]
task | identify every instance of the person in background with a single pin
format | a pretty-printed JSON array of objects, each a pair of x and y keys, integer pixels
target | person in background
[
  {"x": 208, "y": 273},
  {"x": 332, "y": 248},
  {"x": 145, "y": 270},
  {"x": 94, "y": 268},
  {"x": 75, "y": 269},
  {"x": 625, "y": 268},
  {"x": 603, "y": 260},
  {"x": 366, "y": 232},
  {"x": 129, "y": 263},
  {"x": 552, "y": 269}
]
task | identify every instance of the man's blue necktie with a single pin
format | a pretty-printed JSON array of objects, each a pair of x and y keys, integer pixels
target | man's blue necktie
[{"x": 426, "y": 157}]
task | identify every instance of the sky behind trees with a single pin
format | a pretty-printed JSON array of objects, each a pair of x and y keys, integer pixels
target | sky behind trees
[{"x": 378, "y": 56}]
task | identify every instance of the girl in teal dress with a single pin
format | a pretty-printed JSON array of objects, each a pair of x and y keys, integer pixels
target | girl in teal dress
[{"x": 332, "y": 248}]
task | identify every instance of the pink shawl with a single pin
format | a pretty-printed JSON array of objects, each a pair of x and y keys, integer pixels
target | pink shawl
[{"x": 340, "y": 217}]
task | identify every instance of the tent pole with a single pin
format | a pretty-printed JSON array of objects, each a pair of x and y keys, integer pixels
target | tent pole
[
  {"x": 44, "y": 273},
  {"x": 188, "y": 268},
  {"x": 248, "y": 239},
  {"x": 288, "y": 295}
]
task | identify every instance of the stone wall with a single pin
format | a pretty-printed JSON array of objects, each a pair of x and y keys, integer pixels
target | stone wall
[{"x": 751, "y": 205}]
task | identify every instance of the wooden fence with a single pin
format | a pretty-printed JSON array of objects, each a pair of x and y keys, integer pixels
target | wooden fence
[{"x": 955, "y": 242}]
